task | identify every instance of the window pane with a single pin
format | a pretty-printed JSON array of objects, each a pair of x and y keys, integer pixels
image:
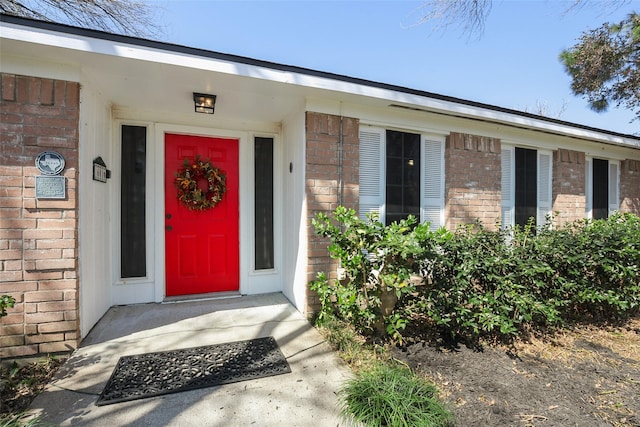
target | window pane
[
  {"x": 132, "y": 201},
  {"x": 411, "y": 149},
  {"x": 263, "y": 173},
  {"x": 394, "y": 171},
  {"x": 394, "y": 144},
  {"x": 403, "y": 176},
  {"x": 526, "y": 197},
  {"x": 600, "y": 189}
]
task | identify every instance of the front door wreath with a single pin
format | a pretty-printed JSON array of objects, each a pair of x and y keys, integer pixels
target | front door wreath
[{"x": 192, "y": 191}]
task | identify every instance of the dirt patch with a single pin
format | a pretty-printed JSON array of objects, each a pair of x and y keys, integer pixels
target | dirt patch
[
  {"x": 587, "y": 377},
  {"x": 20, "y": 384}
]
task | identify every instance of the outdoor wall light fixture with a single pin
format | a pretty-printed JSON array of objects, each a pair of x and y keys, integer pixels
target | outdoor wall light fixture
[{"x": 204, "y": 103}]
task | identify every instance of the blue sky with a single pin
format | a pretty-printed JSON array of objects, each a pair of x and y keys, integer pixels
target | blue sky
[{"x": 514, "y": 64}]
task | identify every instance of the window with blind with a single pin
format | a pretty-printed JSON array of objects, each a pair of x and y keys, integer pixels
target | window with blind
[
  {"x": 526, "y": 186},
  {"x": 401, "y": 174},
  {"x": 602, "y": 181}
]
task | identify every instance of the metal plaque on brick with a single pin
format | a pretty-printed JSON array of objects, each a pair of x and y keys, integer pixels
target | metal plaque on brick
[
  {"x": 51, "y": 187},
  {"x": 50, "y": 163}
]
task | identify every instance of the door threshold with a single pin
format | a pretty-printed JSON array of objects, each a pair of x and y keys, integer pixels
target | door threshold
[{"x": 201, "y": 297}]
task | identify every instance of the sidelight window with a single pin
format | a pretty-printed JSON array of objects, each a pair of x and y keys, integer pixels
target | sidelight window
[
  {"x": 263, "y": 202},
  {"x": 132, "y": 202}
]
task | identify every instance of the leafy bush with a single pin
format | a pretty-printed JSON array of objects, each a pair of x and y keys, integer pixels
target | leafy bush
[
  {"x": 6, "y": 301},
  {"x": 484, "y": 283},
  {"x": 498, "y": 284},
  {"x": 391, "y": 395},
  {"x": 480, "y": 283},
  {"x": 597, "y": 267},
  {"x": 379, "y": 261}
]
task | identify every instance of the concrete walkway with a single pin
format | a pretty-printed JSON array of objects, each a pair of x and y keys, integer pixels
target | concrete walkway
[{"x": 306, "y": 396}]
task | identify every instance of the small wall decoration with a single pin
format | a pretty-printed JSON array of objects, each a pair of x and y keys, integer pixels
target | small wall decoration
[
  {"x": 100, "y": 171},
  {"x": 193, "y": 192},
  {"x": 50, "y": 163},
  {"x": 49, "y": 185}
]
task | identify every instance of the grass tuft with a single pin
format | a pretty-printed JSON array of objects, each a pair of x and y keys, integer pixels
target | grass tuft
[
  {"x": 22, "y": 419},
  {"x": 382, "y": 393},
  {"x": 391, "y": 395}
]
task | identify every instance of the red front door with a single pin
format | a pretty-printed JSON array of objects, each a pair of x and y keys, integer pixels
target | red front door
[{"x": 201, "y": 247}]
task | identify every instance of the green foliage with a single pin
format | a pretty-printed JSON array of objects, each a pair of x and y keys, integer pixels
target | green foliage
[
  {"x": 382, "y": 393},
  {"x": 480, "y": 283},
  {"x": 499, "y": 284},
  {"x": 351, "y": 346},
  {"x": 379, "y": 261},
  {"x": 6, "y": 301},
  {"x": 391, "y": 395},
  {"x": 19, "y": 420},
  {"x": 483, "y": 283},
  {"x": 603, "y": 65},
  {"x": 597, "y": 266}
]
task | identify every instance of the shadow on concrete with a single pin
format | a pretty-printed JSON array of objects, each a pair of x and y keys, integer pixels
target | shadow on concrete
[{"x": 305, "y": 396}]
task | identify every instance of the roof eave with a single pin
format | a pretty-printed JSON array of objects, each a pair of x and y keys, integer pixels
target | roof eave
[{"x": 397, "y": 96}]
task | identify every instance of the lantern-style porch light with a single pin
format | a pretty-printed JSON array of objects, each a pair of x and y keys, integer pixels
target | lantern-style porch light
[{"x": 204, "y": 103}]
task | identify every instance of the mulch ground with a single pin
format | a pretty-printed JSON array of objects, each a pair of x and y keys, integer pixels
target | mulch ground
[
  {"x": 20, "y": 384},
  {"x": 586, "y": 377}
]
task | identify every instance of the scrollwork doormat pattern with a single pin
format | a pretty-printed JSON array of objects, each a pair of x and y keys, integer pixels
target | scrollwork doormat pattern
[{"x": 155, "y": 374}]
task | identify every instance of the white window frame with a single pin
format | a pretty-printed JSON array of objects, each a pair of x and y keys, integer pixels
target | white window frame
[
  {"x": 544, "y": 198},
  {"x": 373, "y": 175},
  {"x": 614, "y": 186}
]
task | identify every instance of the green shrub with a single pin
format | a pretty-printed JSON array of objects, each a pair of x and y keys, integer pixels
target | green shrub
[
  {"x": 6, "y": 301},
  {"x": 379, "y": 261},
  {"x": 480, "y": 283},
  {"x": 597, "y": 266},
  {"x": 499, "y": 284},
  {"x": 391, "y": 395}
]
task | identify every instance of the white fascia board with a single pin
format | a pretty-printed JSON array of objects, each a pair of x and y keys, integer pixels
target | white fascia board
[
  {"x": 135, "y": 52},
  {"x": 428, "y": 104},
  {"x": 387, "y": 95}
]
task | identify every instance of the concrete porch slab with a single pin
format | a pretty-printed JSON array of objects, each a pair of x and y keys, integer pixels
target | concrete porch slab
[{"x": 306, "y": 396}]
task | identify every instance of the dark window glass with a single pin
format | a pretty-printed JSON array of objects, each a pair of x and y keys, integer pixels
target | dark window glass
[
  {"x": 526, "y": 186},
  {"x": 263, "y": 155},
  {"x": 403, "y": 176},
  {"x": 600, "y": 189},
  {"x": 133, "y": 258}
]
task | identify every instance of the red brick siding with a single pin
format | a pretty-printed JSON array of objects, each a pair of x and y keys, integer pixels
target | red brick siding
[
  {"x": 569, "y": 202},
  {"x": 472, "y": 180},
  {"x": 38, "y": 238},
  {"x": 322, "y": 183},
  {"x": 630, "y": 186}
]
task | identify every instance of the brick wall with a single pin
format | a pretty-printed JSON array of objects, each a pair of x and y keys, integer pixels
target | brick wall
[
  {"x": 38, "y": 238},
  {"x": 630, "y": 186},
  {"x": 322, "y": 184},
  {"x": 569, "y": 200},
  {"x": 472, "y": 185}
]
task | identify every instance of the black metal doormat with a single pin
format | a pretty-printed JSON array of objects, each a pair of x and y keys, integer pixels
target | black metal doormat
[{"x": 155, "y": 374}]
